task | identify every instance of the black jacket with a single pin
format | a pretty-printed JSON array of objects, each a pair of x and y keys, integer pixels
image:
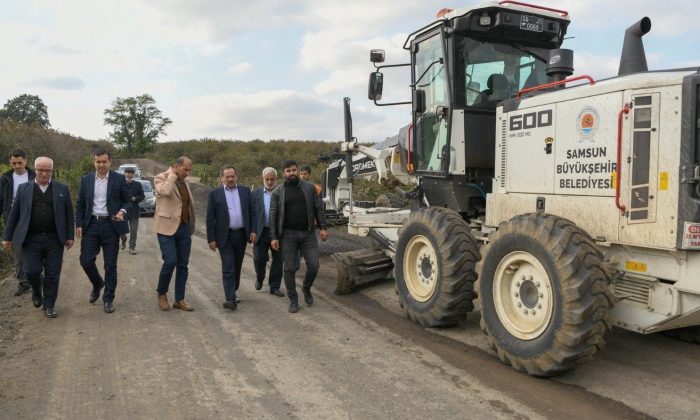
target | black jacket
[
  {"x": 136, "y": 190},
  {"x": 314, "y": 209},
  {"x": 6, "y": 187}
]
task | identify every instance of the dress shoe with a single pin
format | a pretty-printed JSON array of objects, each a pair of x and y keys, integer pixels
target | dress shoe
[
  {"x": 123, "y": 243},
  {"x": 307, "y": 297},
  {"x": 231, "y": 304},
  {"x": 258, "y": 284},
  {"x": 293, "y": 306},
  {"x": 163, "y": 304},
  {"x": 109, "y": 307},
  {"x": 21, "y": 289},
  {"x": 36, "y": 299},
  {"x": 50, "y": 313},
  {"x": 95, "y": 294},
  {"x": 277, "y": 292},
  {"x": 183, "y": 306}
]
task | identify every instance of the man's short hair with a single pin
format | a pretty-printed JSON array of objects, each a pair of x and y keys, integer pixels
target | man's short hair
[
  {"x": 18, "y": 153},
  {"x": 229, "y": 167},
  {"x": 181, "y": 160},
  {"x": 102, "y": 151},
  {"x": 132, "y": 170},
  {"x": 289, "y": 163},
  {"x": 269, "y": 170},
  {"x": 305, "y": 168}
]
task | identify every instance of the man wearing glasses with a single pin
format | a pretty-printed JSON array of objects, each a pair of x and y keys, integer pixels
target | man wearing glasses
[{"x": 41, "y": 223}]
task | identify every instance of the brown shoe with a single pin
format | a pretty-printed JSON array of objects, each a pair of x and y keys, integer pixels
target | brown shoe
[
  {"x": 183, "y": 306},
  {"x": 163, "y": 303}
]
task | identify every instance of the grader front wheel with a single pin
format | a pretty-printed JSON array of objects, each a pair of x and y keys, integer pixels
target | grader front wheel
[{"x": 434, "y": 267}]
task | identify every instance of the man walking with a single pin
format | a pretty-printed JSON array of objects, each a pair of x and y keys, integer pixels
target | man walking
[
  {"x": 295, "y": 211},
  {"x": 174, "y": 224},
  {"x": 100, "y": 210},
  {"x": 9, "y": 183},
  {"x": 132, "y": 212},
  {"x": 230, "y": 226},
  {"x": 261, "y": 249},
  {"x": 41, "y": 223}
]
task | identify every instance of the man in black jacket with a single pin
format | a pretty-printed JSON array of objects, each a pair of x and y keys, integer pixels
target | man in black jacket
[
  {"x": 132, "y": 212},
  {"x": 295, "y": 212},
  {"x": 9, "y": 183}
]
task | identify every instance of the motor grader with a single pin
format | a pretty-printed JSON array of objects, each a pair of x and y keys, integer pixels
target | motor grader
[{"x": 558, "y": 206}]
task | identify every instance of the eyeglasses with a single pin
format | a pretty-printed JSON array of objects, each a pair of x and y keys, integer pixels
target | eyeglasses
[{"x": 44, "y": 171}]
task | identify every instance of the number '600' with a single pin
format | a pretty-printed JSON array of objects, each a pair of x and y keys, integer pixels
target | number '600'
[{"x": 531, "y": 120}]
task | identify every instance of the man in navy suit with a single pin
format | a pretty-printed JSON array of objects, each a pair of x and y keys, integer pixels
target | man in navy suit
[
  {"x": 261, "y": 248},
  {"x": 231, "y": 218},
  {"x": 103, "y": 198},
  {"x": 41, "y": 222}
]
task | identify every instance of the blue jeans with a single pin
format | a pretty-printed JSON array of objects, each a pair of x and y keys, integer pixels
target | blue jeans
[
  {"x": 176, "y": 256},
  {"x": 303, "y": 241},
  {"x": 101, "y": 235}
]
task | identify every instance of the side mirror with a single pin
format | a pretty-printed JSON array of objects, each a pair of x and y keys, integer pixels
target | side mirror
[
  {"x": 376, "y": 56},
  {"x": 376, "y": 84},
  {"x": 418, "y": 101}
]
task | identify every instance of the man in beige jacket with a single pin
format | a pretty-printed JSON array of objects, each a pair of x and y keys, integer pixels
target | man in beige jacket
[{"x": 174, "y": 224}]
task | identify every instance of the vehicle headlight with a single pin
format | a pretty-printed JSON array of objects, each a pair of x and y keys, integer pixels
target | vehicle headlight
[{"x": 151, "y": 200}]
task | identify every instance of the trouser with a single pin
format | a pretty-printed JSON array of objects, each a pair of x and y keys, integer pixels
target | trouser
[
  {"x": 232, "y": 253},
  {"x": 175, "y": 250},
  {"x": 261, "y": 251},
  {"x": 100, "y": 234},
  {"x": 43, "y": 252},
  {"x": 306, "y": 242},
  {"x": 133, "y": 231},
  {"x": 19, "y": 269}
]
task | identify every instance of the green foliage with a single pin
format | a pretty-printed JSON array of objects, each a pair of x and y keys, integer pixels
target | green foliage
[
  {"x": 249, "y": 157},
  {"x": 26, "y": 109},
  {"x": 136, "y": 123}
]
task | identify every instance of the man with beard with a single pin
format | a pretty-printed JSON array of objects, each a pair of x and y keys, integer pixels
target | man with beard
[
  {"x": 132, "y": 213},
  {"x": 262, "y": 198},
  {"x": 295, "y": 212}
]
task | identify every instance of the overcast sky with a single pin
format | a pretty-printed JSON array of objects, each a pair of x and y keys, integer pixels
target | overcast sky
[{"x": 268, "y": 69}]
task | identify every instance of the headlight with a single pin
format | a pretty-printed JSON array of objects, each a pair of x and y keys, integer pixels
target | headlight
[{"x": 151, "y": 200}]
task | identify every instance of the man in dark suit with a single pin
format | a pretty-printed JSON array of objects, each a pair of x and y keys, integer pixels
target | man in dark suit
[
  {"x": 231, "y": 218},
  {"x": 9, "y": 183},
  {"x": 261, "y": 249},
  {"x": 41, "y": 221},
  {"x": 132, "y": 213},
  {"x": 100, "y": 219}
]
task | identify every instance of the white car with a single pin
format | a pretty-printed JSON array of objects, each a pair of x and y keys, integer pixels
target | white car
[{"x": 135, "y": 167}]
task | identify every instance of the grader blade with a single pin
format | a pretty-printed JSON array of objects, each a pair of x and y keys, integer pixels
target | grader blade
[{"x": 360, "y": 268}]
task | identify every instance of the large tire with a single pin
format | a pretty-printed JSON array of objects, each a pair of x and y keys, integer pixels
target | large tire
[
  {"x": 435, "y": 267},
  {"x": 544, "y": 294},
  {"x": 687, "y": 334}
]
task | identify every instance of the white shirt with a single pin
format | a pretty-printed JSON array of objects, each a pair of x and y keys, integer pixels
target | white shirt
[
  {"x": 43, "y": 188},
  {"x": 18, "y": 180},
  {"x": 99, "y": 200}
]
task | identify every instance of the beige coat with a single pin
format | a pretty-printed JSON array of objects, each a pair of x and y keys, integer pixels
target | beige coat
[{"x": 169, "y": 204}]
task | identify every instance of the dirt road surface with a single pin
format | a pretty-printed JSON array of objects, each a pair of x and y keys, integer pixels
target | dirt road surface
[{"x": 352, "y": 356}]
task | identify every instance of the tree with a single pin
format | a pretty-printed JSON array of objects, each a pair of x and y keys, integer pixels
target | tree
[
  {"x": 136, "y": 123},
  {"x": 26, "y": 109}
]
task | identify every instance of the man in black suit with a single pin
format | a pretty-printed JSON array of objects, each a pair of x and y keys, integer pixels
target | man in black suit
[
  {"x": 231, "y": 217},
  {"x": 100, "y": 219},
  {"x": 261, "y": 249},
  {"x": 132, "y": 213},
  {"x": 9, "y": 183},
  {"x": 41, "y": 221}
]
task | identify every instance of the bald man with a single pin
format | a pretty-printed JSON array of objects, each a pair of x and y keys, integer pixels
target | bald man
[{"x": 41, "y": 222}]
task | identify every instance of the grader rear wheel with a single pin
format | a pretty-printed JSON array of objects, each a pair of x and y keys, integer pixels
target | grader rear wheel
[
  {"x": 544, "y": 294},
  {"x": 434, "y": 267}
]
